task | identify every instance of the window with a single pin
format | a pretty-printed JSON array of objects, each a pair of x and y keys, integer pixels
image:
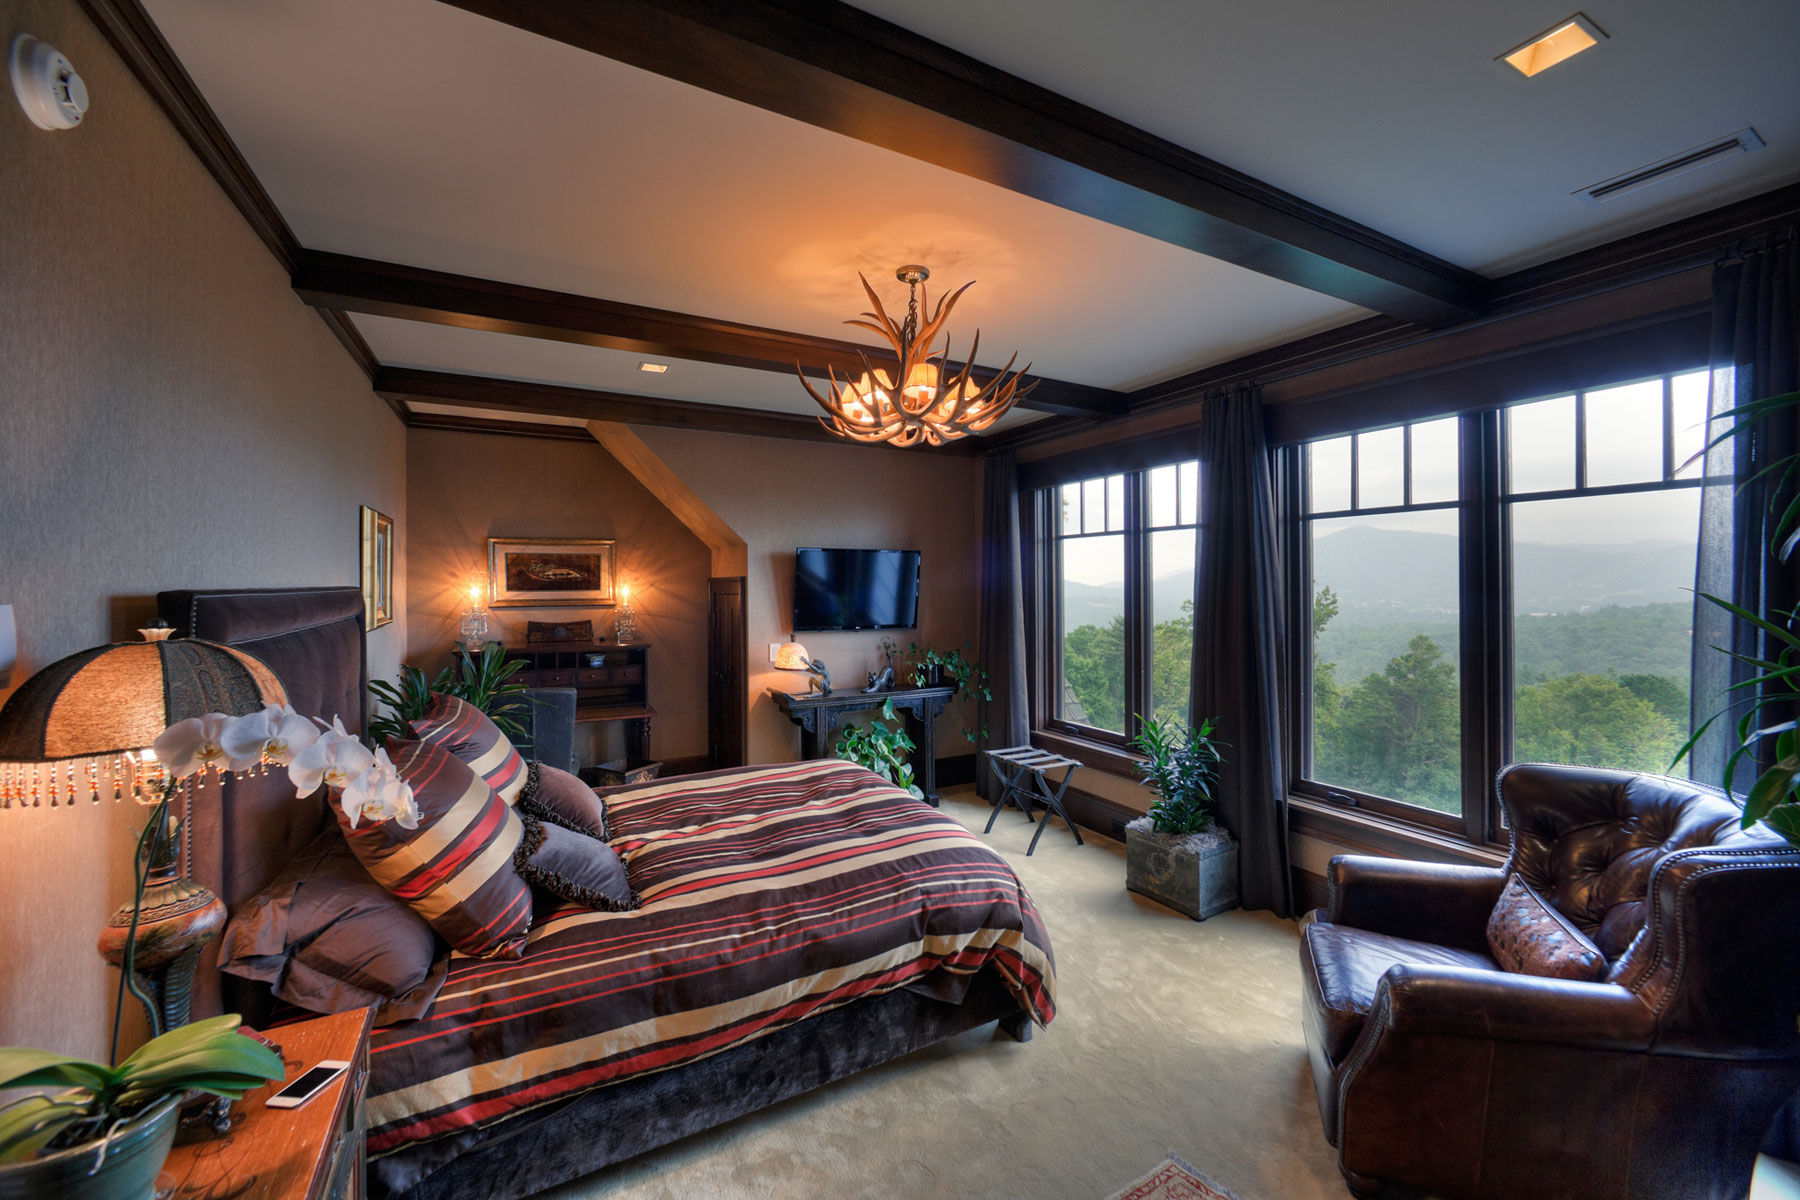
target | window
[
  {"x": 1603, "y": 526},
  {"x": 1380, "y": 517},
  {"x": 1121, "y": 570},
  {"x": 1506, "y": 585}
]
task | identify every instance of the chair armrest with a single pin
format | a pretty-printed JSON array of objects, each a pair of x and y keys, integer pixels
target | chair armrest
[
  {"x": 1501, "y": 1006},
  {"x": 1427, "y": 902}
]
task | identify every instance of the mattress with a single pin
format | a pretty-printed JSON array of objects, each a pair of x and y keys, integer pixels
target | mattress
[{"x": 770, "y": 895}]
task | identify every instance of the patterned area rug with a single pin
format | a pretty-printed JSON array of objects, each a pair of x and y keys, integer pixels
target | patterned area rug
[{"x": 1173, "y": 1180}]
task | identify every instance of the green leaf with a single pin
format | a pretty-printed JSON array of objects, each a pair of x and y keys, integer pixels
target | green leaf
[
  {"x": 1768, "y": 627},
  {"x": 1785, "y": 820},
  {"x": 1770, "y": 790},
  {"x": 30, "y": 1123},
  {"x": 22, "y": 1066}
]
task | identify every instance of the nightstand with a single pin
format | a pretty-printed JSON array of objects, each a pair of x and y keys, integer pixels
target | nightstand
[{"x": 314, "y": 1152}]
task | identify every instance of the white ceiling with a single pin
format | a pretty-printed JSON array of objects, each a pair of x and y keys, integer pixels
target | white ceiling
[
  {"x": 411, "y": 131},
  {"x": 477, "y": 352},
  {"x": 1395, "y": 114}
]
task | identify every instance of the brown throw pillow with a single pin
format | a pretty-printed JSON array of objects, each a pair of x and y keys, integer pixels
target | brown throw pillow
[
  {"x": 472, "y": 736},
  {"x": 574, "y": 866},
  {"x": 329, "y": 939},
  {"x": 560, "y": 798},
  {"x": 456, "y": 868},
  {"x": 1528, "y": 936}
]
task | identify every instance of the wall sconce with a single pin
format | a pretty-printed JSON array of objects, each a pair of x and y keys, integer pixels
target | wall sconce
[
  {"x": 625, "y": 620},
  {"x": 9, "y": 645},
  {"x": 474, "y": 618}
]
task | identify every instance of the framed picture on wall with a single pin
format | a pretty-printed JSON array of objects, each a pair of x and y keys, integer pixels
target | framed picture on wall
[
  {"x": 541, "y": 572},
  {"x": 377, "y": 568}
]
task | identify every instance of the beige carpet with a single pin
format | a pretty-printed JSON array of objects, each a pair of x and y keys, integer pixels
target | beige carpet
[{"x": 1172, "y": 1036}]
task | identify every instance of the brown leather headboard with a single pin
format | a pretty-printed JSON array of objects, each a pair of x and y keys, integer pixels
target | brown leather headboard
[{"x": 239, "y": 836}]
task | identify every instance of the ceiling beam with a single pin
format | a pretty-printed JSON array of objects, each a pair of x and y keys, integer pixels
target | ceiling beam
[
  {"x": 831, "y": 65},
  {"x": 337, "y": 281},
  {"x": 482, "y": 392}
]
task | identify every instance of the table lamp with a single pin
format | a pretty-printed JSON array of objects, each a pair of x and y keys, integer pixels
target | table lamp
[
  {"x": 83, "y": 728},
  {"x": 793, "y": 657}
]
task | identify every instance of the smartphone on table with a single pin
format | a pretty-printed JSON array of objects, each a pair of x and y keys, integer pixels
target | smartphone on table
[{"x": 310, "y": 1083}]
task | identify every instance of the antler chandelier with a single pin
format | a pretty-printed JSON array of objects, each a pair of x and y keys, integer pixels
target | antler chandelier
[{"x": 930, "y": 405}]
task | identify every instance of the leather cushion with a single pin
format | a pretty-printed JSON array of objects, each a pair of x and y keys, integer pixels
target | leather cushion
[
  {"x": 456, "y": 869},
  {"x": 574, "y": 867},
  {"x": 560, "y": 798},
  {"x": 1529, "y": 937},
  {"x": 1342, "y": 965},
  {"x": 329, "y": 939}
]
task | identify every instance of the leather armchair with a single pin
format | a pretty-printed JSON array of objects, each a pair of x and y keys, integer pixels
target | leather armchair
[{"x": 1438, "y": 1072}]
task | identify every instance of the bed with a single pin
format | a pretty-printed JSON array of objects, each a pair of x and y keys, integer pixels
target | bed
[{"x": 800, "y": 922}]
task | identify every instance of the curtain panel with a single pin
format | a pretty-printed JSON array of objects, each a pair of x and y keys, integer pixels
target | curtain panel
[
  {"x": 1004, "y": 721},
  {"x": 1240, "y": 663},
  {"x": 1755, "y": 354}
]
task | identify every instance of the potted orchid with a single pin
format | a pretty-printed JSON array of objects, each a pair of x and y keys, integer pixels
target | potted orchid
[{"x": 106, "y": 1134}]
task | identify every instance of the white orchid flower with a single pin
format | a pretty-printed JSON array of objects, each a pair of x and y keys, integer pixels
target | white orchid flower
[
  {"x": 196, "y": 744},
  {"x": 274, "y": 735},
  {"x": 379, "y": 794},
  {"x": 334, "y": 759}
]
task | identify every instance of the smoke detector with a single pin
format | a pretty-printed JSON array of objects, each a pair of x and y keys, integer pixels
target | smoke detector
[{"x": 49, "y": 90}]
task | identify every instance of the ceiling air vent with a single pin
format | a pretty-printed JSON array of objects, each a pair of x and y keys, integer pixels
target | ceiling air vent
[{"x": 1741, "y": 142}]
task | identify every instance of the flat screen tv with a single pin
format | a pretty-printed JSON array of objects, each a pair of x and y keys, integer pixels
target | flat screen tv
[{"x": 855, "y": 589}]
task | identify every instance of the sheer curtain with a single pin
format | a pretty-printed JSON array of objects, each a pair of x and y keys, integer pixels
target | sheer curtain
[
  {"x": 1006, "y": 718},
  {"x": 1239, "y": 665},
  {"x": 1755, "y": 354}
]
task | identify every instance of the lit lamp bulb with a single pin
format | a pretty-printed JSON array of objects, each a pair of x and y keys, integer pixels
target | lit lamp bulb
[
  {"x": 474, "y": 618},
  {"x": 625, "y": 622}
]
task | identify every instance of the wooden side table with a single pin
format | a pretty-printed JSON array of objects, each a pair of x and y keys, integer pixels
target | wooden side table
[
  {"x": 818, "y": 715},
  {"x": 314, "y": 1152}
]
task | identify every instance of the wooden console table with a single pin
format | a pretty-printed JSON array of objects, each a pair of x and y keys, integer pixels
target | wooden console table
[
  {"x": 617, "y": 690},
  {"x": 818, "y": 715}
]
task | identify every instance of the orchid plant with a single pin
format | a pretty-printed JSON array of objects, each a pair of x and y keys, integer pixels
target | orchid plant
[{"x": 314, "y": 754}]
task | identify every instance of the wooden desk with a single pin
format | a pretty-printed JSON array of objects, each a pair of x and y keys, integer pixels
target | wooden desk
[
  {"x": 314, "y": 1152},
  {"x": 818, "y": 715}
]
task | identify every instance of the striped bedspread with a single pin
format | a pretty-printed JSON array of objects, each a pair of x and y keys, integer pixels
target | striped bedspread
[{"x": 770, "y": 894}]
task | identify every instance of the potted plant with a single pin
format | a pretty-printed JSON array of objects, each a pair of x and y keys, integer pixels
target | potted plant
[
  {"x": 883, "y": 749},
  {"x": 106, "y": 1136},
  {"x": 482, "y": 681},
  {"x": 1178, "y": 853},
  {"x": 934, "y": 668}
]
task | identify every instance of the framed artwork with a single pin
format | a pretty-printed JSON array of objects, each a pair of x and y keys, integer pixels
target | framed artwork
[
  {"x": 377, "y": 568},
  {"x": 544, "y": 572}
]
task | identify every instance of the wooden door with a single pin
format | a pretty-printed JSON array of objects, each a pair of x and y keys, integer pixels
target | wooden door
[{"x": 727, "y": 673}]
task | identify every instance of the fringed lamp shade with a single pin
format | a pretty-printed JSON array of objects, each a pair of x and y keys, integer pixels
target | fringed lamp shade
[{"x": 83, "y": 726}]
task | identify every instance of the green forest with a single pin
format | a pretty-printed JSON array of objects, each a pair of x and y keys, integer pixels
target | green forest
[{"x": 1606, "y": 688}]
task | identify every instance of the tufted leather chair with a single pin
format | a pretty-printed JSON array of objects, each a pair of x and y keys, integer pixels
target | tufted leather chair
[{"x": 1438, "y": 1072}]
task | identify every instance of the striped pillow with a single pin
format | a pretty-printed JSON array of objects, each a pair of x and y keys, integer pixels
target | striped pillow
[
  {"x": 456, "y": 869},
  {"x": 468, "y": 733}
]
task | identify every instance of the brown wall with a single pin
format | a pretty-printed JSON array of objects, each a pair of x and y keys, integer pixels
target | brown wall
[
  {"x": 171, "y": 416},
  {"x": 465, "y": 488},
  {"x": 779, "y": 495}
]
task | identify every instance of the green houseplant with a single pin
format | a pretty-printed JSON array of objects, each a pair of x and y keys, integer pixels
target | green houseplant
[
  {"x": 882, "y": 748},
  {"x": 106, "y": 1134},
  {"x": 925, "y": 667},
  {"x": 483, "y": 681},
  {"x": 1774, "y": 798},
  {"x": 1178, "y": 853}
]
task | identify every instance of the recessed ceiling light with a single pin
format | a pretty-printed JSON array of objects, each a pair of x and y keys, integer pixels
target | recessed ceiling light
[
  {"x": 653, "y": 368},
  {"x": 1559, "y": 43}
]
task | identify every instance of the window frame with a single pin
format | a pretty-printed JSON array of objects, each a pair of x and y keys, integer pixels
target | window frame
[
  {"x": 1137, "y": 532},
  {"x": 1485, "y": 643}
]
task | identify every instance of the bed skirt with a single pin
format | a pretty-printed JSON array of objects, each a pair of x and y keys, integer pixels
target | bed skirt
[{"x": 563, "y": 1141}]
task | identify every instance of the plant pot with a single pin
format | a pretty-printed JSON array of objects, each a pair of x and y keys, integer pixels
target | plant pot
[
  {"x": 134, "y": 1158},
  {"x": 1197, "y": 881}
]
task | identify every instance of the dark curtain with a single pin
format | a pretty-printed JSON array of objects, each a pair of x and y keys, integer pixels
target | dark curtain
[
  {"x": 1004, "y": 721},
  {"x": 1755, "y": 354},
  {"x": 1239, "y": 640}
]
